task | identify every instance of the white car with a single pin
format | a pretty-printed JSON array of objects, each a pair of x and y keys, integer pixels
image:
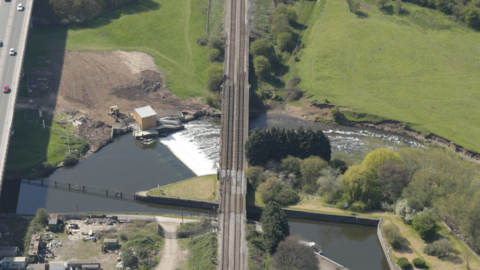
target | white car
[
  {"x": 20, "y": 7},
  {"x": 12, "y": 51}
]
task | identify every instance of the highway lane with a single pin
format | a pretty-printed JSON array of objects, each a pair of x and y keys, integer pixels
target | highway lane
[{"x": 13, "y": 30}]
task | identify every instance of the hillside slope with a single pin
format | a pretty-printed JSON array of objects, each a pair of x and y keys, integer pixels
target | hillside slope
[{"x": 419, "y": 67}]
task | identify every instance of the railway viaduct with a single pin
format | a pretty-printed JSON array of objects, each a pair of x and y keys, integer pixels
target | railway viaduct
[{"x": 232, "y": 247}]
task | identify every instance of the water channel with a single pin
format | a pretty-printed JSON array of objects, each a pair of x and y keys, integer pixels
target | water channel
[{"x": 128, "y": 166}]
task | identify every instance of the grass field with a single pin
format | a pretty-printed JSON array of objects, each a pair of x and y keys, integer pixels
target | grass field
[
  {"x": 200, "y": 188},
  {"x": 419, "y": 67},
  {"x": 166, "y": 30},
  {"x": 31, "y": 144}
]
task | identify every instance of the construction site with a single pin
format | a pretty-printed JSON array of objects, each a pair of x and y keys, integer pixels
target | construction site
[{"x": 104, "y": 104}]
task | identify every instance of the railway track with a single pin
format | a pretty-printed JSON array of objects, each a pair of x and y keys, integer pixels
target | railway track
[{"x": 232, "y": 250}]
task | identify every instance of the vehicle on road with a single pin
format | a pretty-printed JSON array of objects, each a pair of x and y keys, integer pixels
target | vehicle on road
[
  {"x": 20, "y": 7},
  {"x": 12, "y": 51},
  {"x": 6, "y": 89},
  {"x": 1, "y": 43}
]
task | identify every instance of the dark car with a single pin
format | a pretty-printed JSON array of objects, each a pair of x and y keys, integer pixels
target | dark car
[{"x": 6, "y": 89}]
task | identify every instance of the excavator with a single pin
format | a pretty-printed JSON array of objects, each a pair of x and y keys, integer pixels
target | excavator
[{"x": 115, "y": 113}]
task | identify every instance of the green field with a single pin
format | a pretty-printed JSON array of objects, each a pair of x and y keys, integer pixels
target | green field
[
  {"x": 31, "y": 144},
  {"x": 202, "y": 188},
  {"x": 420, "y": 67},
  {"x": 166, "y": 30}
]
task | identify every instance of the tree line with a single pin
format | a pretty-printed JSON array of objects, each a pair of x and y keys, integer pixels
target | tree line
[{"x": 278, "y": 143}]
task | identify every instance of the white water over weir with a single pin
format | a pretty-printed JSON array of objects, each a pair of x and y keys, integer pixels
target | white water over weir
[{"x": 197, "y": 146}]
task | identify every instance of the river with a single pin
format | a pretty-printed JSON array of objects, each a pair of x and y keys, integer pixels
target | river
[{"x": 128, "y": 166}]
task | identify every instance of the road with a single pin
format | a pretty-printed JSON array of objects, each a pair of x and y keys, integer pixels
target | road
[
  {"x": 232, "y": 248},
  {"x": 13, "y": 33}
]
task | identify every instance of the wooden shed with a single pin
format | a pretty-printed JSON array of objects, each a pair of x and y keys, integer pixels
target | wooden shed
[{"x": 146, "y": 117}]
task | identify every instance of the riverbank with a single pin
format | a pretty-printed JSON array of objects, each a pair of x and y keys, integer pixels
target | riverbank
[
  {"x": 202, "y": 188},
  {"x": 304, "y": 109}
]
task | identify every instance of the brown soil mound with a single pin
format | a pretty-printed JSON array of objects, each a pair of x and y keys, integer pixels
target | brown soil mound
[{"x": 149, "y": 81}]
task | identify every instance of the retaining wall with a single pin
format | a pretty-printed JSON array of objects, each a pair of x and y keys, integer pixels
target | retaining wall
[
  {"x": 321, "y": 217},
  {"x": 385, "y": 247},
  {"x": 178, "y": 202}
]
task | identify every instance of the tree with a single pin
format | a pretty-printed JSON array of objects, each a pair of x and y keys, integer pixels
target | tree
[
  {"x": 381, "y": 3},
  {"x": 291, "y": 254},
  {"x": 353, "y": 5},
  {"x": 263, "y": 47},
  {"x": 397, "y": 7},
  {"x": 214, "y": 55},
  {"x": 275, "y": 226},
  {"x": 281, "y": 24},
  {"x": 337, "y": 114},
  {"x": 360, "y": 185},
  {"x": 311, "y": 169},
  {"x": 392, "y": 179},
  {"x": 282, "y": 9},
  {"x": 214, "y": 77},
  {"x": 285, "y": 41},
  {"x": 292, "y": 165},
  {"x": 262, "y": 66},
  {"x": 425, "y": 225},
  {"x": 128, "y": 258},
  {"x": 255, "y": 176},
  {"x": 377, "y": 158},
  {"x": 41, "y": 217},
  {"x": 281, "y": 194},
  {"x": 471, "y": 16},
  {"x": 403, "y": 263},
  {"x": 70, "y": 160}
]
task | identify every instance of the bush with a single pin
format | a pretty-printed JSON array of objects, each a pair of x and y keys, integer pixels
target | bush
[
  {"x": 70, "y": 160},
  {"x": 214, "y": 77},
  {"x": 123, "y": 237},
  {"x": 440, "y": 248},
  {"x": 358, "y": 207},
  {"x": 393, "y": 236},
  {"x": 262, "y": 47},
  {"x": 285, "y": 41},
  {"x": 281, "y": 194},
  {"x": 128, "y": 258},
  {"x": 262, "y": 66},
  {"x": 418, "y": 263},
  {"x": 255, "y": 176},
  {"x": 425, "y": 225},
  {"x": 403, "y": 263},
  {"x": 337, "y": 114},
  {"x": 214, "y": 55},
  {"x": 41, "y": 217}
]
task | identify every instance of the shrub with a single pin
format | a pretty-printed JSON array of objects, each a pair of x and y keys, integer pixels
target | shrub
[
  {"x": 214, "y": 77},
  {"x": 70, "y": 160},
  {"x": 285, "y": 41},
  {"x": 214, "y": 55},
  {"x": 262, "y": 47},
  {"x": 424, "y": 224},
  {"x": 202, "y": 40},
  {"x": 41, "y": 217},
  {"x": 358, "y": 207},
  {"x": 281, "y": 194},
  {"x": 128, "y": 258},
  {"x": 262, "y": 66},
  {"x": 440, "y": 248},
  {"x": 123, "y": 236},
  {"x": 403, "y": 263},
  {"x": 419, "y": 263},
  {"x": 393, "y": 235},
  {"x": 337, "y": 114}
]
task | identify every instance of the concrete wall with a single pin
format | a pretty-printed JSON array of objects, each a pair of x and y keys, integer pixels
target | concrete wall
[
  {"x": 321, "y": 217},
  {"x": 178, "y": 202},
  {"x": 385, "y": 247}
]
